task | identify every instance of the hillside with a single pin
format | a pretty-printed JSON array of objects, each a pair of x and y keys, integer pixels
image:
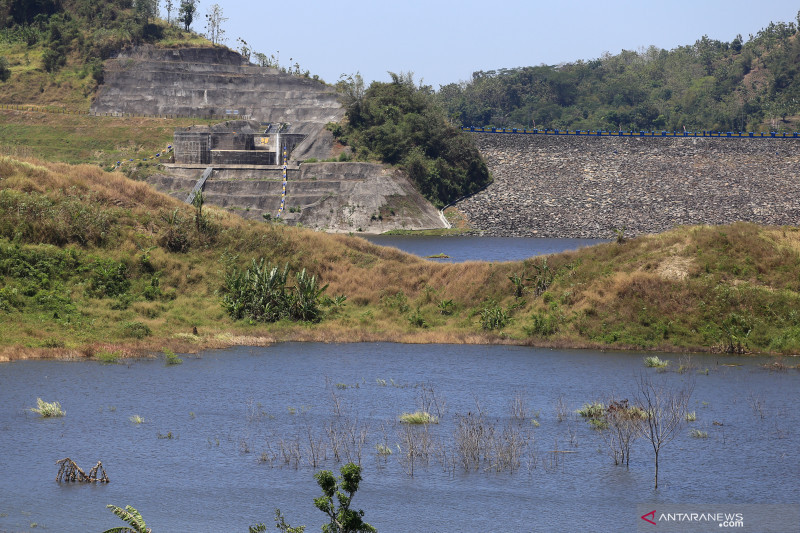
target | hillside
[
  {"x": 742, "y": 85},
  {"x": 93, "y": 264}
]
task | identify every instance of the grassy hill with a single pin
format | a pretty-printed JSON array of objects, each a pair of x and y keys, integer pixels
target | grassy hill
[{"x": 93, "y": 264}]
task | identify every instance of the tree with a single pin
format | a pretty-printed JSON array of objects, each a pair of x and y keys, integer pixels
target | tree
[
  {"x": 664, "y": 409},
  {"x": 214, "y": 20},
  {"x": 146, "y": 9},
  {"x": 186, "y": 13},
  {"x": 132, "y": 517},
  {"x": 5, "y": 72},
  {"x": 342, "y": 519},
  {"x": 169, "y": 6},
  {"x": 623, "y": 425}
]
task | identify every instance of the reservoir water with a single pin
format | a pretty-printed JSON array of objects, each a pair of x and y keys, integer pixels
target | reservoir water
[
  {"x": 470, "y": 248},
  {"x": 230, "y": 435}
]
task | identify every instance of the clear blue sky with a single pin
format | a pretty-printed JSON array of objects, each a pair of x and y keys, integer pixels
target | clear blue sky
[{"x": 446, "y": 41}]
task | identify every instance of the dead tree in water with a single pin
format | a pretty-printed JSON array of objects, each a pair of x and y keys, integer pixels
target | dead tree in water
[{"x": 68, "y": 471}]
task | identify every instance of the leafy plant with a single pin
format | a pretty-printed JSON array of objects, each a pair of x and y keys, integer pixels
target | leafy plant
[
  {"x": 170, "y": 358},
  {"x": 132, "y": 517},
  {"x": 654, "y": 362},
  {"x": 342, "y": 518},
  {"x": 493, "y": 317},
  {"x": 418, "y": 417},
  {"x": 48, "y": 410},
  {"x": 260, "y": 294}
]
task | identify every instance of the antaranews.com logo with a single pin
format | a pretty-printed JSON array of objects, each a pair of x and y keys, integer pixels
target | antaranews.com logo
[{"x": 691, "y": 518}]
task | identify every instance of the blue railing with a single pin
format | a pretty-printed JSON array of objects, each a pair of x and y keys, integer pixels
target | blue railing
[{"x": 601, "y": 133}]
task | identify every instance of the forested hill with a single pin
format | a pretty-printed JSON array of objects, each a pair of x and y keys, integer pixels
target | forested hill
[{"x": 742, "y": 85}]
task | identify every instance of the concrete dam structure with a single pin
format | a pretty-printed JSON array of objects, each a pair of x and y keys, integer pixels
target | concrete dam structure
[
  {"x": 585, "y": 186},
  {"x": 268, "y": 110}
]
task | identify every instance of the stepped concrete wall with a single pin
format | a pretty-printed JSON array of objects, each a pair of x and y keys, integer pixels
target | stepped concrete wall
[
  {"x": 335, "y": 197},
  {"x": 206, "y": 82},
  {"x": 550, "y": 186}
]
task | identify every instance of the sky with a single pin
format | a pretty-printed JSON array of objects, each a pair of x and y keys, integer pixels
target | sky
[{"x": 444, "y": 42}]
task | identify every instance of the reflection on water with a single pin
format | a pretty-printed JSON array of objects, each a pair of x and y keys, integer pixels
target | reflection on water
[
  {"x": 247, "y": 424},
  {"x": 497, "y": 249}
]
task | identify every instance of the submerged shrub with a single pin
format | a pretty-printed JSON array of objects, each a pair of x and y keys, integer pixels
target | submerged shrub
[
  {"x": 654, "y": 362},
  {"x": 48, "y": 410},
  {"x": 418, "y": 417},
  {"x": 592, "y": 410}
]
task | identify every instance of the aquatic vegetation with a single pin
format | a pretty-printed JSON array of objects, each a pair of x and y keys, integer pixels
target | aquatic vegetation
[
  {"x": 697, "y": 434},
  {"x": 170, "y": 358},
  {"x": 48, "y": 410},
  {"x": 691, "y": 416},
  {"x": 418, "y": 417},
  {"x": 136, "y": 419},
  {"x": 592, "y": 410},
  {"x": 654, "y": 362}
]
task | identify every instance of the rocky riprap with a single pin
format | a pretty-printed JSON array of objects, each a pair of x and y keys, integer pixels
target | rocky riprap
[{"x": 583, "y": 187}]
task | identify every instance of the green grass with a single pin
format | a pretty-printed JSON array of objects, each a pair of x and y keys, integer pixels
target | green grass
[
  {"x": 48, "y": 410},
  {"x": 418, "y": 417},
  {"x": 697, "y": 434},
  {"x": 691, "y": 416},
  {"x": 136, "y": 419}
]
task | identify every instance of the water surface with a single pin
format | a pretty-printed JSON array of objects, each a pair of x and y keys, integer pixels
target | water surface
[
  {"x": 231, "y": 412},
  {"x": 470, "y": 248}
]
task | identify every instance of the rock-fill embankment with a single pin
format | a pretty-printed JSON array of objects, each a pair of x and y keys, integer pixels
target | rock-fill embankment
[{"x": 560, "y": 186}]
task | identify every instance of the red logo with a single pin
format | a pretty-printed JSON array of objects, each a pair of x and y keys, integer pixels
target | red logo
[{"x": 651, "y": 514}]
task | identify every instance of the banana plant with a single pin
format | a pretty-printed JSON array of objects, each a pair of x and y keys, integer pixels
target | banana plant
[{"x": 132, "y": 517}]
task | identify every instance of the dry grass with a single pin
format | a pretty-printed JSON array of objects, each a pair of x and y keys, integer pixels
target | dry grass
[{"x": 668, "y": 292}]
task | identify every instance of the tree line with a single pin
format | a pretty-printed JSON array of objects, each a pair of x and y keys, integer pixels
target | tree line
[{"x": 743, "y": 85}]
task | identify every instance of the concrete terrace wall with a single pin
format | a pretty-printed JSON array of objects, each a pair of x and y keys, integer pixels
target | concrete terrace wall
[
  {"x": 207, "y": 82},
  {"x": 335, "y": 197},
  {"x": 559, "y": 186}
]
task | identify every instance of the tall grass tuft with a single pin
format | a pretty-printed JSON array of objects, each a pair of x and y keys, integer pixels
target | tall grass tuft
[
  {"x": 697, "y": 434},
  {"x": 654, "y": 362},
  {"x": 691, "y": 416},
  {"x": 48, "y": 410},
  {"x": 136, "y": 419},
  {"x": 418, "y": 417}
]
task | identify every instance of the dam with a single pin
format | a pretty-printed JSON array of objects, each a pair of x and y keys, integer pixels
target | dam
[{"x": 589, "y": 186}]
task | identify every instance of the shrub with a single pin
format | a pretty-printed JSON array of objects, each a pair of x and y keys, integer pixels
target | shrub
[
  {"x": 48, "y": 410},
  {"x": 5, "y": 72},
  {"x": 170, "y": 358},
  {"x": 542, "y": 324},
  {"x": 592, "y": 410},
  {"x": 418, "y": 417},
  {"x": 108, "y": 279},
  {"x": 260, "y": 294},
  {"x": 654, "y": 362},
  {"x": 136, "y": 330},
  {"x": 493, "y": 317},
  {"x": 417, "y": 320}
]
